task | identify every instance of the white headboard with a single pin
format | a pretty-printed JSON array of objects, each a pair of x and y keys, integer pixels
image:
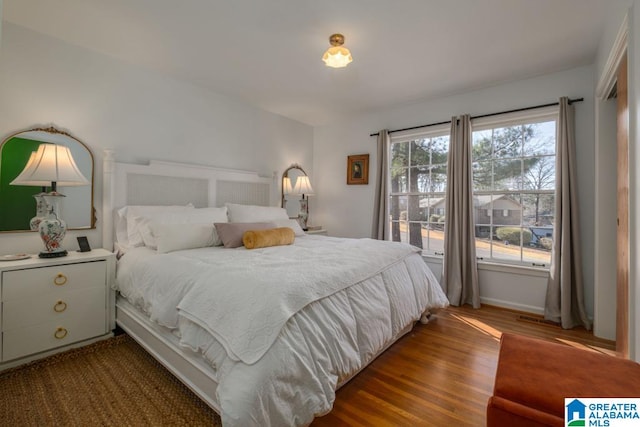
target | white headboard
[{"x": 167, "y": 183}]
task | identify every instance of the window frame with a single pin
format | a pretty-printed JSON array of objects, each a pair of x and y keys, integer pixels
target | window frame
[
  {"x": 539, "y": 115},
  {"x": 443, "y": 130},
  {"x": 525, "y": 117}
]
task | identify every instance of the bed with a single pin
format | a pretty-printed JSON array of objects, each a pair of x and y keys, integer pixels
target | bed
[{"x": 263, "y": 336}]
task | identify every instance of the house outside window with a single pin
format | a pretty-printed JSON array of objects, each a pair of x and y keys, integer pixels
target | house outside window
[
  {"x": 418, "y": 174},
  {"x": 514, "y": 179}
]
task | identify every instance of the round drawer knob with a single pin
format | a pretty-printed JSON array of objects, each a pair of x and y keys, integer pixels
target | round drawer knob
[
  {"x": 60, "y": 279},
  {"x": 60, "y": 333},
  {"x": 60, "y": 306}
]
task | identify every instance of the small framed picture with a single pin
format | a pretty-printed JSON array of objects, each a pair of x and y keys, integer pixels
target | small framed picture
[
  {"x": 83, "y": 243},
  {"x": 358, "y": 169}
]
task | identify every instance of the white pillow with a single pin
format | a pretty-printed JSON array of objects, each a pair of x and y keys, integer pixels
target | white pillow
[
  {"x": 177, "y": 237},
  {"x": 193, "y": 216},
  {"x": 253, "y": 213},
  {"x": 127, "y": 234},
  {"x": 292, "y": 224},
  {"x": 217, "y": 212}
]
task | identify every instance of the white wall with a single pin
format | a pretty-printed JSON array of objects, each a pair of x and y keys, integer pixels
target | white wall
[
  {"x": 347, "y": 210},
  {"x": 140, "y": 114},
  {"x": 606, "y": 175},
  {"x": 634, "y": 181},
  {"x": 605, "y": 221},
  {"x": 615, "y": 14},
  {"x": 630, "y": 8}
]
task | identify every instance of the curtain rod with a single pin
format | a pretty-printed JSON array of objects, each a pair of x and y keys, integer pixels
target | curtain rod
[{"x": 517, "y": 110}]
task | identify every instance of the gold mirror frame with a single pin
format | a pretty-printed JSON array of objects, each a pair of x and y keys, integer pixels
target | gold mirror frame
[
  {"x": 285, "y": 174},
  {"x": 54, "y": 131}
]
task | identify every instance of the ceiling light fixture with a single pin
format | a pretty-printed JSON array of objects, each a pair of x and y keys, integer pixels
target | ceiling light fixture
[{"x": 337, "y": 56}]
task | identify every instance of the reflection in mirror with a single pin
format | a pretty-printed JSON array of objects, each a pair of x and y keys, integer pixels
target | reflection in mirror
[
  {"x": 291, "y": 201},
  {"x": 17, "y": 202}
]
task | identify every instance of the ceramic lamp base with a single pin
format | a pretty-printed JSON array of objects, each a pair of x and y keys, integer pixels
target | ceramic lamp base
[
  {"x": 53, "y": 254},
  {"x": 41, "y": 211},
  {"x": 304, "y": 213},
  {"x": 53, "y": 228}
]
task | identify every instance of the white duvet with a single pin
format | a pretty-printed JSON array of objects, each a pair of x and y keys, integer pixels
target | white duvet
[{"x": 343, "y": 300}]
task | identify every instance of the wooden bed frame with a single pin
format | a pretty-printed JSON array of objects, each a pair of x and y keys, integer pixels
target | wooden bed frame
[{"x": 166, "y": 183}]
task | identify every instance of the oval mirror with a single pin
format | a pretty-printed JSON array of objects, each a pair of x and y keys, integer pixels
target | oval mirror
[
  {"x": 17, "y": 204},
  {"x": 291, "y": 202}
]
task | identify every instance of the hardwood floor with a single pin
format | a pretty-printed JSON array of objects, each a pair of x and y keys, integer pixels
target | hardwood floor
[{"x": 441, "y": 374}]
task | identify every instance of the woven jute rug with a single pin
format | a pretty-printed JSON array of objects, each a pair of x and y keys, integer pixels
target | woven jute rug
[{"x": 109, "y": 383}]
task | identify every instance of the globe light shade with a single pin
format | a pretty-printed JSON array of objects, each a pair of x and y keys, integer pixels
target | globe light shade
[{"x": 337, "y": 56}]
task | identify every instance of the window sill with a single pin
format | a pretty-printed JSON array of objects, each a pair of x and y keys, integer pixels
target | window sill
[
  {"x": 502, "y": 268},
  {"x": 515, "y": 269},
  {"x": 432, "y": 258}
]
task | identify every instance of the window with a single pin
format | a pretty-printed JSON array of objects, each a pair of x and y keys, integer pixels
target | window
[
  {"x": 418, "y": 175},
  {"x": 514, "y": 178}
]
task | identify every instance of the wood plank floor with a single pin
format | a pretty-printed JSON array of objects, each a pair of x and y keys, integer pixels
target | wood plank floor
[{"x": 441, "y": 374}]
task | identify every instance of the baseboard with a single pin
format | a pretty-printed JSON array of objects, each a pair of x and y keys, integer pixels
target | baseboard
[{"x": 513, "y": 306}]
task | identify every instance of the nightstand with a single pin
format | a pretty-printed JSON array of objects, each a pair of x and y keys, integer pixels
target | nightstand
[
  {"x": 50, "y": 305},
  {"x": 318, "y": 231}
]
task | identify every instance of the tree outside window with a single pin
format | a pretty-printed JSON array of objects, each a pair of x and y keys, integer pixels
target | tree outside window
[
  {"x": 513, "y": 166},
  {"x": 514, "y": 173},
  {"x": 418, "y": 183}
]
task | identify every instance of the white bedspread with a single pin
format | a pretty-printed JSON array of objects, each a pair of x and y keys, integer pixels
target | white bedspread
[
  {"x": 317, "y": 340},
  {"x": 264, "y": 288}
]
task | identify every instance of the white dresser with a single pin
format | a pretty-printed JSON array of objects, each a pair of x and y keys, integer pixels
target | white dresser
[{"x": 50, "y": 305}]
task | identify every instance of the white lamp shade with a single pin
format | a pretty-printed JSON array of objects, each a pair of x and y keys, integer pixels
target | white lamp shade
[
  {"x": 286, "y": 186},
  {"x": 51, "y": 163},
  {"x": 303, "y": 186},
  {"x": 22, "y": 179},
  {"x": 337, "y": 57}
]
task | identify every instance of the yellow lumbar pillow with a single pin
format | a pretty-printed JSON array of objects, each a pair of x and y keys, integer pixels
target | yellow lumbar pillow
[{"x": 253, "y": 239}]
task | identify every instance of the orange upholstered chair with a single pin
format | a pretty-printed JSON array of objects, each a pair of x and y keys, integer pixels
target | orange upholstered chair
[{"x": 535, "y": 376}]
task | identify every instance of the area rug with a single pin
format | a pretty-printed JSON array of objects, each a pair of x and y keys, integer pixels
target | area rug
[{"x": 109, "y": 383}]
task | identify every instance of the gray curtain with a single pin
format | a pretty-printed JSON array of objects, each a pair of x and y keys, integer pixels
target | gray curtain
[
  {"x": 565, "y": 291},
  {"x": 460, "y": 270},
  {"x": 380, "y": 226}
]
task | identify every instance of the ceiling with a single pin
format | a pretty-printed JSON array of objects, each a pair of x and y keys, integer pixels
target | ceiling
[{"x": 268, "y": 52}]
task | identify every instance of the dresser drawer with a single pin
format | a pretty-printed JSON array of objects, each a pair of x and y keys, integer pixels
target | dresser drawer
[
  {"x": 35, "y": 282},
  {"x": 55, "y": 306},
  {"x": 33, "y": 339}
]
